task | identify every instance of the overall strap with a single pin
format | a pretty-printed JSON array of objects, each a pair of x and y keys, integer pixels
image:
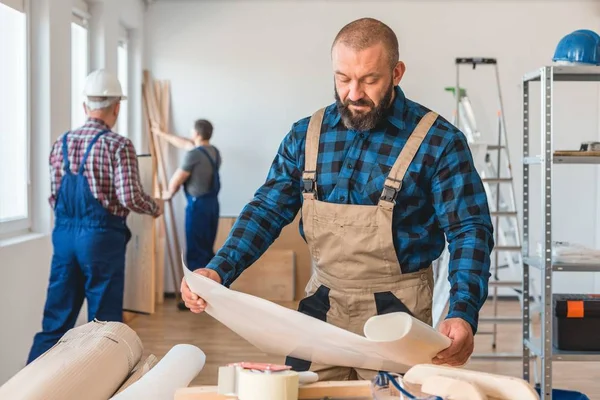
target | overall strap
[
  {"x": 215, "y": 186},
  {"x": 89, "y": 148},
  {"x": 212, "y": 162},
  {"x": 65, "y": 151},
  {"x": 217, "y": 159},
  {"x": 393, "y": 182},
  {"x": 311, "y": 151}
]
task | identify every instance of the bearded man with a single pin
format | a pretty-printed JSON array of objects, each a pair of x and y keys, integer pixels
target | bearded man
[{"x": 382, "y": 183}]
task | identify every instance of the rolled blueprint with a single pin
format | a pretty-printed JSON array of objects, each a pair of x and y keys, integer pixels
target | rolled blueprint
[
  {"x": 89, "y": 362},
  {"x": 400, "y": 328},
  {"x": 175, "y": 370},
  {"x": 280, "y": 331}
]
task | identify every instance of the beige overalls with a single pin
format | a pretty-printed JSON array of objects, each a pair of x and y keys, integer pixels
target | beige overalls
[{"x": 357, "y": 274}]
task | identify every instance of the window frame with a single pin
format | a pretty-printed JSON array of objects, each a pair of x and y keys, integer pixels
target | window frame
[
  {"x": 20, "y": 226},
  {"x": 123, "y": 42},
  {"x": 81, "y": 17}
]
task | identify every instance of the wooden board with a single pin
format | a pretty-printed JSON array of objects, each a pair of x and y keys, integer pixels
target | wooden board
[
  {"x": 271, "y": 277},
  {"x": 289, "y": 239},
  {"x": 139, "y": 259},
  {"x": 159, "y": 259},
  {"x": 355, "y": 390},
  {"x": 575, "y": 153}
]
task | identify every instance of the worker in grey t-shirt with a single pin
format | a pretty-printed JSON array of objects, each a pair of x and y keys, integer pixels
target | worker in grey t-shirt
[{"x": 199, "y": 174}]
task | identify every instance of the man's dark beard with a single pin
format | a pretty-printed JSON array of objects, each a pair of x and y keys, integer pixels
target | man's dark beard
[{"x": 364, "y": 121}]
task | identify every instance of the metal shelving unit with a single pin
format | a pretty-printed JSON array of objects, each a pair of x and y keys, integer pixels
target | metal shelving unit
[{"x": 543, "y": 347}]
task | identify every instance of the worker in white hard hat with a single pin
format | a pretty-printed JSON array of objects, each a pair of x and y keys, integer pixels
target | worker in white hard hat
[{"x": 95, "y": 184}]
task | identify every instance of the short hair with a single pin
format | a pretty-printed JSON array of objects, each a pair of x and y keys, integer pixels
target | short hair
[
  {"x": 94, "y": 103},
  {"x": 203, "y": 128},
  {"x": 366, "y": 32}
]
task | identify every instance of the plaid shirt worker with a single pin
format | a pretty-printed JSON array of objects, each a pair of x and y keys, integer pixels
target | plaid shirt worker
[
  {"x": 442, "y": 193},
  {"x": 111, "y": 170}
]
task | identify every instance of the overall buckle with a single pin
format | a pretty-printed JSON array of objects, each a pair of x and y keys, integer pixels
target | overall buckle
[
  {"x": 308, "y": 185},
  {"x": 389, "y": 194}
]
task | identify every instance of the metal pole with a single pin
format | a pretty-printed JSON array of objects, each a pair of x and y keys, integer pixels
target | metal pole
[
  {"x": 497, "y": 232},
  {"x": 525, "y": 250},
  {"x": 546, "y": 264},
  {"x": 457, "y": 94}
]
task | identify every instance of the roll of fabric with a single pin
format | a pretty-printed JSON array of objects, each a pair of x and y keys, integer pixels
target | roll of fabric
[{"x": 89, "y": 362}]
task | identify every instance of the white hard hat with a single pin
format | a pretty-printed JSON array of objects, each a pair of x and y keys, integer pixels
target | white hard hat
[{"x": 102, "y": 83}]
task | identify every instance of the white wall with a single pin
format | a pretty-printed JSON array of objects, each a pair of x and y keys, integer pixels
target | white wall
[
  {"x": 23, "y": 283},
  {"x": 25, "y": 260},
  {"x": 255, "y": 67}
]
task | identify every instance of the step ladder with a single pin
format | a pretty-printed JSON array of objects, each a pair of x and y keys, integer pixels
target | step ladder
[{"x": 492, "y": 161}]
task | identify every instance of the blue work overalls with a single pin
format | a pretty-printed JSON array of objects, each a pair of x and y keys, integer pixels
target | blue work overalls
[
  {"x": 202, "y": 220},
  {"x": 88, "y": 261}
]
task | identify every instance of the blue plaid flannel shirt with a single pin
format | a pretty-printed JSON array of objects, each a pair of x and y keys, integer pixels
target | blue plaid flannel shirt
[{"x": 442, "y": 195}]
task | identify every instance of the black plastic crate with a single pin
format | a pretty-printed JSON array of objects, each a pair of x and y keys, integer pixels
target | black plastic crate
[{"x": 576, "y": 322}]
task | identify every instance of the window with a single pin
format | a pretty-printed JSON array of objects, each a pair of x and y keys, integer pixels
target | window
[
  {"x": 123, "y": 75},
  {"x": 79, "y": 69},
  {"x": 14, "y": 127}
]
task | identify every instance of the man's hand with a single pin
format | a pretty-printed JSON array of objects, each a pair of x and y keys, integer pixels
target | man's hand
[
  {"x": 161, "y": 207},
  {"x": 166, "y": 195},
  {"x": 192, "y": 301},
  {"x": 462, "y": 345}
]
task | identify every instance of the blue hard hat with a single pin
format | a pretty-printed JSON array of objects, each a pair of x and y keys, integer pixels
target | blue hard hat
[{"x": 579, "y": 47}]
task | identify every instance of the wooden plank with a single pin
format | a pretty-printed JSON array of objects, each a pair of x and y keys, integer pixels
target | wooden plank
[
  {"x": 157, "y": 122},
  {"x": 271, "y": 277},
  {"x": 139, "y": 267},
  {"x": 154, "y": 122},
  {"x": 159, "y": 257},
  {"x": 161, "y": 240},
  {"x": 576, "y": 153},
  {"x": 289, "y": 239},
  {"x": 335, "y": 389},
  {"x": 160, "y": 224},
  {"x": 166, "y": 106}
]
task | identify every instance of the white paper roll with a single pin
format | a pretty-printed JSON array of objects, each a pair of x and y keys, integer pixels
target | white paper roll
[
  {"x": 401, "y": 332},
  {"x": 175, "y": 370},
  {"x": 259, "y": 322},
  {"x": 258, "y": 385}
]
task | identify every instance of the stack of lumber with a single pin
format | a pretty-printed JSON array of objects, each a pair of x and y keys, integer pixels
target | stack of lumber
[
  {"x": 156, "y": 102},
  {"x": 282, "y": 273}
]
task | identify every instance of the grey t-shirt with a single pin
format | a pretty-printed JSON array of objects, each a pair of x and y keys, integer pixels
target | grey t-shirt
[{"x": 200, "y": 168}]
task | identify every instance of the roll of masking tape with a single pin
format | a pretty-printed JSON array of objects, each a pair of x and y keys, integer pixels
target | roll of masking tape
[{"x": 260, "y": 385}]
